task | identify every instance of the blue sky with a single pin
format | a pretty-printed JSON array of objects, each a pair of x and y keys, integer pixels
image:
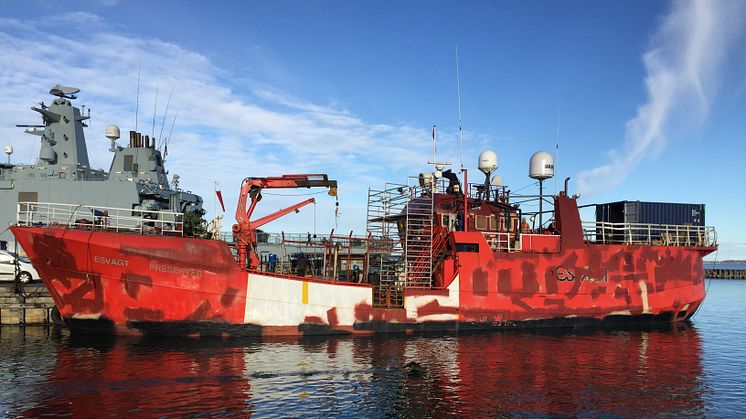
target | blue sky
[{"x": 649, "y": 96}]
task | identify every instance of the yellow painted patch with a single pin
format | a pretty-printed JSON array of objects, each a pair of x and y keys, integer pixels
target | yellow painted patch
[{"x": 304, "y": 298}]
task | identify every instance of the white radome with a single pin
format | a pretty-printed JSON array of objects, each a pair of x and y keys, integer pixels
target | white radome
[
  {"x": 487, "y": 162},
  {"x": 112, "y": 132},
  {"x": 426, "y": 179},
  {"x": 541, "y": 166},
  {"x": 8, "y": 149}
]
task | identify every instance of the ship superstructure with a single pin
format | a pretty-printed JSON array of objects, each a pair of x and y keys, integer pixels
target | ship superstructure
[
  {"x": 137, "y": 178},
  {"x": 439, "y": 254}
]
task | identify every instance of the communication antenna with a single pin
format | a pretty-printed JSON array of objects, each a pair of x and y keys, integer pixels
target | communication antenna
[
  {"x": 458, "y": 94},
  {"x": 164, "y": 139},
  {"x": 137, "y": 103},
  {"x": 434, "y": 137},
  {"x": 168, "y": 139},
  {"x": 155, "y": 105},
  {"x": 556, "y": 149},
  {"x": 165, "y": 114}
]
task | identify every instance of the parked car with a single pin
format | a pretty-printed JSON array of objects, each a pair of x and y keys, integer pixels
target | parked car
[{"x": 8, "y": 267}]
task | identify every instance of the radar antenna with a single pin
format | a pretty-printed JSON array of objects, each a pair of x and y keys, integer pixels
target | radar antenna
[{"x": 64, "y": 92}]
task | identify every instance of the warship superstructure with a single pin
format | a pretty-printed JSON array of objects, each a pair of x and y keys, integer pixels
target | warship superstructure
[{"x": 137, "y": 178}]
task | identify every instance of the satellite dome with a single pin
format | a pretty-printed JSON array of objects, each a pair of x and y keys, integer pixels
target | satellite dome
[
  {"x": 487, "y": 162},
  {"x": 426, "y": 180},
  {"x": 541, "y": 166},
  {"x": 112, "y": 132},
  {"x": 8, "y": 150}
]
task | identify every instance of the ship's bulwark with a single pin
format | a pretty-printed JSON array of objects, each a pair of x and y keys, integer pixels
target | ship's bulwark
[{"x": 133, "y": 284}]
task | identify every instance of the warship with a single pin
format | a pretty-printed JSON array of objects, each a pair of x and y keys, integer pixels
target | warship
[
  {"x": 137, "y": 178},
  {"x": 439, "y": 254}
]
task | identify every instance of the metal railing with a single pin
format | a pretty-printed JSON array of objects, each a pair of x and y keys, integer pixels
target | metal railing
[
  {"x": 90, "y": 217},
  {"x": 418, "y": 238},
  {"x": 316, "y": 240},
  {"x": 388, "y": 296},
  {"x": 649, "y": 234},
  {"x": 502, "y": 242},
  {"x": 280, "y": 238}
]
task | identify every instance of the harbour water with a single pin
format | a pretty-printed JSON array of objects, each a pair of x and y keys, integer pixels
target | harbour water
[{"x": 690, "y": 370}]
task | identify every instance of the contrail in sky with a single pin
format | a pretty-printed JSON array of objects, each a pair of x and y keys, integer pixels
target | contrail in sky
[{"x": 682, "y": 63}]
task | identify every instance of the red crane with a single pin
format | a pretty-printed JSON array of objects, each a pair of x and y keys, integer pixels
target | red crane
[{"x": 244, "y": 231}]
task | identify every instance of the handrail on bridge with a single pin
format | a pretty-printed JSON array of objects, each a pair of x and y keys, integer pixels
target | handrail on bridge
[
  {"x": 649, "y": 234},
  {"x": 503, "y": 241},
  {"x": 92, "y": 217}
]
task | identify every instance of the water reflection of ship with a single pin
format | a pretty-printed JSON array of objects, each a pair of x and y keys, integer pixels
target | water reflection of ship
[
  {"x": 635, "y": 373},
  {"x": 100, "y": 377},
  {"x": 624, "y": 373}
]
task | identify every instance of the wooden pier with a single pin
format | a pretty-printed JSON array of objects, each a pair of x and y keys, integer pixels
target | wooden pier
[
  {"x": 722, "y": 273},
  {"x": 33, "y": 306}
]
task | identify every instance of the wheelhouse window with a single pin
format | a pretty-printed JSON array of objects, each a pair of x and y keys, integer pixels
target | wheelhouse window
[
  {"x": 480, "y": 222},
  {"x": 467, "y": 247}
]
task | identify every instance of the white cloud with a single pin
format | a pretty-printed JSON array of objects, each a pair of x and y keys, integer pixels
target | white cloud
[
  {"x": 683, "y": 66},
  {"x": 74, "y": 18},
  {"x": 224, "y": 132}
]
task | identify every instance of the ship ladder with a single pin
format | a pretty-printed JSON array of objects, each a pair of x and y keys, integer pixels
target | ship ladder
[{"x": 418, "y": 249}]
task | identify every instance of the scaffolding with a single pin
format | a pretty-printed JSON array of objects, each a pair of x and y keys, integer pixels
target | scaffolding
[
  {"x": 400, "y": 228},
  {"x": 385, "y": 210}
]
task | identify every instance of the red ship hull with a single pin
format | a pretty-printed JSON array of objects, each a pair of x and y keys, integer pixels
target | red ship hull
[{"x": 123, "y": 283}]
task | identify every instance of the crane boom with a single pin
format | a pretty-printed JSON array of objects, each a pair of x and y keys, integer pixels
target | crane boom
[
  {"x": 275, "y": 215},
  {"x": 244, "y": 231}
]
